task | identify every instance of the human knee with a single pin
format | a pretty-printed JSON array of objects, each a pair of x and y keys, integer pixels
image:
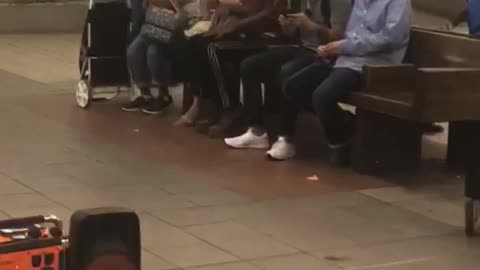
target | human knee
[
  {"x": 321, "y": 100},
  {"x": 134, "y": 49},
  {"x": 153, "y": 53},
  {"x": 247, "y": 68},
  {"x": 131, "y": 52},
  {"x": 287, "y": 86}
]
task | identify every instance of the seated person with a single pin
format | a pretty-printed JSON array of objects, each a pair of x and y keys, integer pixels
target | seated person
[
  {"x": 377, "y": 33},
  {"x": 473, "y": 16},
  {"x": 326, "y": 23},
  {"x": 137, "y": 8},
  {"x": 150, "y": 65},
  {"x": 237, "y": 27}
]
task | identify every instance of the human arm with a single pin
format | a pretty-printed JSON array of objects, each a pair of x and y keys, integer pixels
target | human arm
[
  {"x": 473, "y": 11},
  {"x": 269, "y": 10},
  {"x": 394, "y": 33}
]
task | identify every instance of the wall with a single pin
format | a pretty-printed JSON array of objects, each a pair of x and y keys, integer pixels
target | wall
[{"x": 41, "y": 17}]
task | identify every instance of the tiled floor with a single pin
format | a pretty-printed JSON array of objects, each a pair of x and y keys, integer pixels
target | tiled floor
[{"x": 203, "y": 206}]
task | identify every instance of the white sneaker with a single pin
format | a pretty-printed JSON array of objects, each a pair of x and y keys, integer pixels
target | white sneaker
[
  {"x": 249, "y": 140},
  {"x": 281, "y": 150}
]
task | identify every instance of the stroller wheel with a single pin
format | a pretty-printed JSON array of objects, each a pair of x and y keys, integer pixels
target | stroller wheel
[{"x": 83, "y": 94}]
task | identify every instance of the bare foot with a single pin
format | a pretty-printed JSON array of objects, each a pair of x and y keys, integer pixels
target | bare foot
[{"x": 184, "y": 121}]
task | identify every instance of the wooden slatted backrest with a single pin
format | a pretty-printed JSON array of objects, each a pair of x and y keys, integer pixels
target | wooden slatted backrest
[{"x": 430, "y": 48}]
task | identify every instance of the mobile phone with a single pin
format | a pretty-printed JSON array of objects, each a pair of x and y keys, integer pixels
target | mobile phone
[{"x": 310, "y": 48}]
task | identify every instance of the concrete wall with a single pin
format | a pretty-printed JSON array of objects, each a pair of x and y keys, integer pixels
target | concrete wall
[
  {"x": 38, "y": 18},
  {"x": 448, "y": 9},
  {"x": 69, "y": 16}
]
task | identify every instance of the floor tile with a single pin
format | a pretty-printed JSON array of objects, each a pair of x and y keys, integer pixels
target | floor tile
[
  {"x": 11, "y": 186},
  {"x": 298, "y": 262},
  {"x": 18, "y": 203},
  {"x": 227, "y": 266},
  {"x": 194, "y": 255},
  {"x": 81, "y": 198},
  {"x": 215, "y": 198},
  {"x": 153, "y": 262},
  {"x": 440, "y": 209},
  {"x": 136, "y": 191},
  {"x": 240, "y": 240},
  {"x": 50, "y": 182},
  {"x": 153, "y": 205},
  {"x": 418, "y": 250},
  {"x": 3, "y": 215},
  {"x": 210, "y": 214},
  {"x": 159, "y": 235}
]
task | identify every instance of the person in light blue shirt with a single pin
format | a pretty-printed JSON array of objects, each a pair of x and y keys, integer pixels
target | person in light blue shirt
[
  {"x": 377, "y": 33},
  {"x": 473, "y": 17}
]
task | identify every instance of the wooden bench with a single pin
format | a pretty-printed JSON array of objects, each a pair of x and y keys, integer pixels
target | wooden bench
[{"x": 440, "y": 82}]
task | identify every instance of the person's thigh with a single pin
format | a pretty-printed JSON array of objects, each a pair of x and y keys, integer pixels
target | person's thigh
[
  {"x": 339, "y": 84},
  {"x": 137, "y": 49},
  {"x": 299, "y": 61},
  {"x": 299, "y": 86},
  {"x": 267, "y": 64}
]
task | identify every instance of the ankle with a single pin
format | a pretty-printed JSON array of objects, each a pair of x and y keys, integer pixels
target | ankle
[{"x": 257, "y": 131}]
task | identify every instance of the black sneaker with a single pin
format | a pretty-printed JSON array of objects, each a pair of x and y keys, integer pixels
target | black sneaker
[
  {"x": 135, "y": 105},
  {"x": 158, "y": 105},
  {"x": 340, "y": 155}
]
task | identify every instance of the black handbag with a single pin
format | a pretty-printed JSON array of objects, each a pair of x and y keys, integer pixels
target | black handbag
[{"x": 165, "y": 26}]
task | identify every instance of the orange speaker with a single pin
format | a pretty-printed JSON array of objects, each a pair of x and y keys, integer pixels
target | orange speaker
[
  {"x": 99, "y": 239},
  {"x": 104, "y": 238},
  {"x": 32, "y": 243}
]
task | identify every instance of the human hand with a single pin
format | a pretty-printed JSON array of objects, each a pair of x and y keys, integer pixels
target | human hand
[
  {"x": 322, "y": 52},
  {"x": 222, "y": 12},
  {"x": 288, "y": 28},
  {"x": 227, "y": 27},
  {"x": 302, "y": 21},
  {"x": 334, "y": 48}
]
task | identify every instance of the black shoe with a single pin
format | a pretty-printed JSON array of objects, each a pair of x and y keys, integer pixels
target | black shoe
[
  {"x": 340, "y": 155},
  {"x": 157, "y": 106},
  {"x": 135, "y": 105},
  {"x": 202, "y": 125},
  {"x": 227, "y": 124}
]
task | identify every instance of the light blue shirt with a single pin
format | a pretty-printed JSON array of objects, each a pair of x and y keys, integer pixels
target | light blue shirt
[
  {"x": 474, "y": 17},
  {"x": 377, "y": 33}
]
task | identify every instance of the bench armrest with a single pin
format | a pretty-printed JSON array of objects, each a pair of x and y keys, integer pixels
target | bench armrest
[
  {"x": 389, "y": 78},
  {"x": 448, "y": 80},
  {"x": 446, "y": 94}
]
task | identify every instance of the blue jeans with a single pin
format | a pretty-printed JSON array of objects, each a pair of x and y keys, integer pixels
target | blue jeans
[
  {"x": 138, "y": 17},
  {"x": 319, "y": 88},
  {"x": 150, "y": 64}
]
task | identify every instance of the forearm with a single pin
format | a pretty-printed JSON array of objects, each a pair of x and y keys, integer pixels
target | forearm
[
  {"x": 239, "y": 10},
  {"x": 252, "y": 20},
  {"x": 326, "y": 34}
]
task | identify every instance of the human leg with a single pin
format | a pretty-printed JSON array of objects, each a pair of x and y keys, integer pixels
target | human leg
[
  {"x": 193, "y": 62},
  {"x": 225, "y": 58},
  {"x": 137, "y": 64},
  {"x": 159, "y": 65},
  {"x": 297, "y": 94},
  {"x": 254, "y": 71},
  {"x": 338, "y": 124},
  {"x": 334, "y": 89}
]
